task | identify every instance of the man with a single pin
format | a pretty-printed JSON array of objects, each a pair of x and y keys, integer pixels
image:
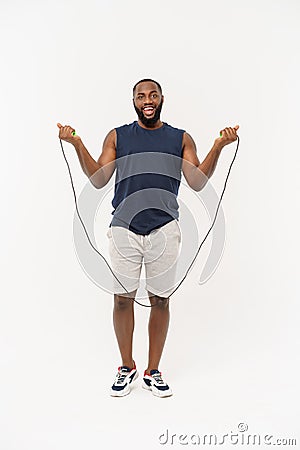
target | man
[{"x": 138, "y": 226}]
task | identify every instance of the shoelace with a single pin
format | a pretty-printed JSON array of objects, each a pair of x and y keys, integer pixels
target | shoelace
[
  {"x": 157, "y": 377},
  {"x": 121, "y": 375}
]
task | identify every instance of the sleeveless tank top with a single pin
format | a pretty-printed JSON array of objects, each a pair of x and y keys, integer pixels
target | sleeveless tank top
[{"x": 148, "y": 175}]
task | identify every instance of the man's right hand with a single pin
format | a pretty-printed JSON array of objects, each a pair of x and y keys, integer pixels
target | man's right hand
[{"x": 65, "y": 134}]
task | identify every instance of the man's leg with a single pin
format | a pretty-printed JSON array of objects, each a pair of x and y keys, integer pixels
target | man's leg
[
  {"x": 160, "y": 264},
  {"x": 123, "y": 319},
  {"x": 158, "y": 329}
]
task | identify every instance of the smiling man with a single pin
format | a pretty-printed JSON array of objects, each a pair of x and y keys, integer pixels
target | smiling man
[
  {"x": 145, "y": 223},
  {"x": 148, "y": 109}
]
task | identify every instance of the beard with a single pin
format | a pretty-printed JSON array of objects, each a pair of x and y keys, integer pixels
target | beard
[{"x": 151, "y": 121}]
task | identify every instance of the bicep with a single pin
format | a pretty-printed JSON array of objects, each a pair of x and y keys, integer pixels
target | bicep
[
  {"x": 108, "y": 155},
  {"x": 189, "y": 157}
]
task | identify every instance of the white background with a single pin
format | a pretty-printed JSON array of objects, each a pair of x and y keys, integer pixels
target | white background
[{"x": 232, "y": 352}]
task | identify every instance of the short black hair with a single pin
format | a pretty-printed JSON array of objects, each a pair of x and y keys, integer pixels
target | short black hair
[{"x": 147, "y": 79}]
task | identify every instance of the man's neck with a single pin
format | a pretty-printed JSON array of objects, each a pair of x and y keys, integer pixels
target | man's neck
[{"x": 157, "y": 124}]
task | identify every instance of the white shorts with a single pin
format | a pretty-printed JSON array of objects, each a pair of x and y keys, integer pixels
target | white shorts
[{"x": 159, "y": 250}]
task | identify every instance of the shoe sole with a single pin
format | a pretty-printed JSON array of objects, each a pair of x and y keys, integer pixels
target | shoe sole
[{"x": 154, "y": 392}]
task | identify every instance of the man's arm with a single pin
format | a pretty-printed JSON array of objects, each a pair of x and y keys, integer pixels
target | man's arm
[
  {"x": 197, "y": 174},
  {"x": 99, "y": 172}
]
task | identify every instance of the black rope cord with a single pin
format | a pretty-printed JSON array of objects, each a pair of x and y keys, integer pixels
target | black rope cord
[{"x": 198, "y": 250}]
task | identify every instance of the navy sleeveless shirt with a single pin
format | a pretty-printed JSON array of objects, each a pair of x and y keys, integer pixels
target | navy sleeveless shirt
[{"x": 148, "y": 175}]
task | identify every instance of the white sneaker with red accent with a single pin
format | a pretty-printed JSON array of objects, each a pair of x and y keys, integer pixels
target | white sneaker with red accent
[
  {"x": 124, "y": 378},
  {"x": 156, "y": 384}
]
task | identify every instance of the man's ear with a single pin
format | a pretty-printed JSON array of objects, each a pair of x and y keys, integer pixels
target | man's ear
[{"x": 162, "y": 98}]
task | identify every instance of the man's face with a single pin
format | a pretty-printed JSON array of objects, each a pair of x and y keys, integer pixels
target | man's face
[{"x": 148, "y": 102}]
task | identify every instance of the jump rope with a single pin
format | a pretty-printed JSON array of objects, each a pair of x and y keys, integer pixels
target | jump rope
[{"x": 198, "y": 250}]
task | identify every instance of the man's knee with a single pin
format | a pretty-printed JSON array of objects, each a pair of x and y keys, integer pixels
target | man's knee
[
  {"x": 159, "y": 302},
  {"x": 123, "y": 301}
]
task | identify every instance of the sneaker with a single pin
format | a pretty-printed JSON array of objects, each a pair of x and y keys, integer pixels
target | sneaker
[
  {"x": 124, "y": 378},
  {"x": 155, "y": 383}
]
